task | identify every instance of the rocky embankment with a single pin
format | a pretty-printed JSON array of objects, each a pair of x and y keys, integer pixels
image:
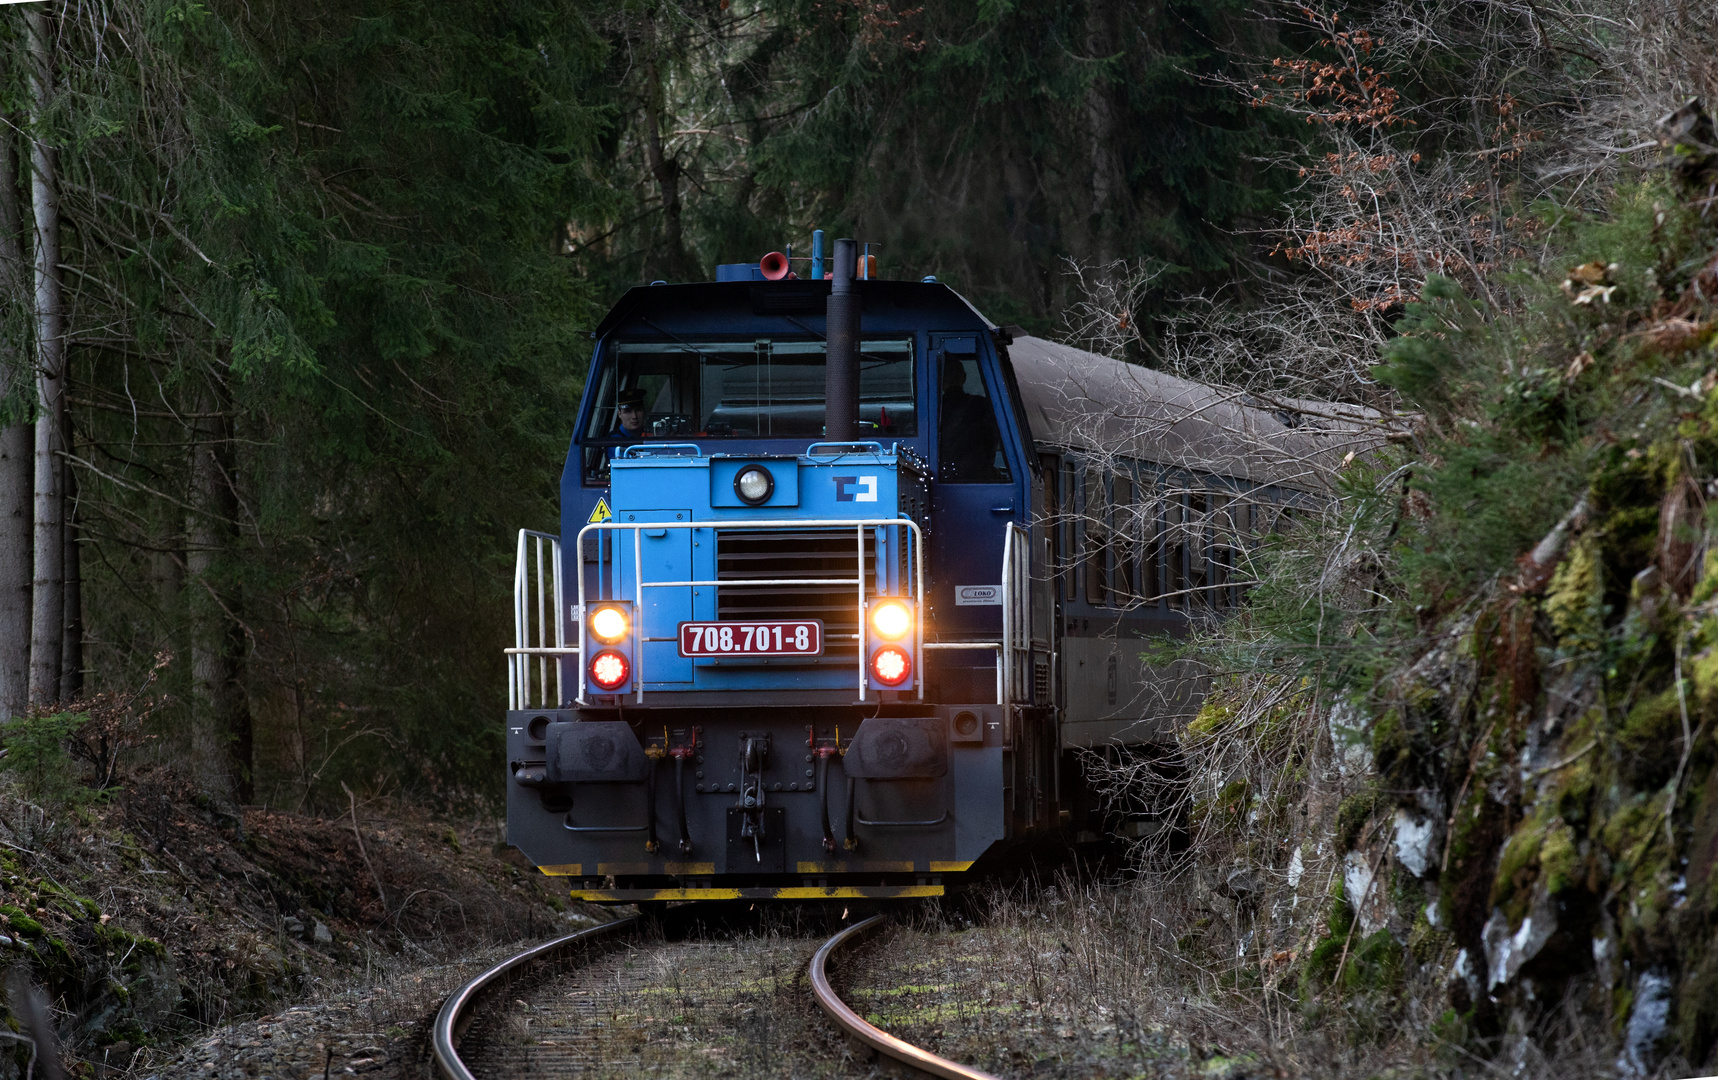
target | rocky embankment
[{"x": 1462, "y": 791}]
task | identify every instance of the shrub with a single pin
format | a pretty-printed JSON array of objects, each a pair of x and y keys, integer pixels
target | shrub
[{"x": 35, "y": 753}]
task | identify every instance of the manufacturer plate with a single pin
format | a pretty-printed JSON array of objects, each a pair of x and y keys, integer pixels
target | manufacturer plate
[{"x": 794, "y": 638}]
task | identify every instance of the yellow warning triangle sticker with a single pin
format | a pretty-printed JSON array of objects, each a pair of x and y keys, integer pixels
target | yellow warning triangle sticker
[{"x": 601, "y": 514}]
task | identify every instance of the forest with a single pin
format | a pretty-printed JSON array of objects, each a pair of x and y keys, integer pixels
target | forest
[{"x": 297, "y": 301}]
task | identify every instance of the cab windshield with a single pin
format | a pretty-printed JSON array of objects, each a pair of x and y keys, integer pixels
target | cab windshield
[{"x": 755, "y": 388}]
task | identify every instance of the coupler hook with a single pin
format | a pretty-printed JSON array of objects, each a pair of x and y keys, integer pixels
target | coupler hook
[
  {"x": 655, "y": 754},
  {"x": 680, "y": 754},
  {"x": 752, "y": 793},
  {"x": 824, "y": 753}
]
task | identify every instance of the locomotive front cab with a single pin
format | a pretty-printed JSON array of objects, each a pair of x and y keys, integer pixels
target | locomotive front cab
[{"x": 759, "y": 664}]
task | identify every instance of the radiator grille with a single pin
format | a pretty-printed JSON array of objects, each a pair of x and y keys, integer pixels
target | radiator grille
[{"x": 807, "y": 555}]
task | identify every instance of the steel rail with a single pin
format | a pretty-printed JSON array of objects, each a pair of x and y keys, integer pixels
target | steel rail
[
  {"x": 856, "y": 1025},
  {"x": 444, "y": 1037}
]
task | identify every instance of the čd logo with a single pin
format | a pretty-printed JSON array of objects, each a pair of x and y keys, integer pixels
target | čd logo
[{"x": 855, "y": 489}]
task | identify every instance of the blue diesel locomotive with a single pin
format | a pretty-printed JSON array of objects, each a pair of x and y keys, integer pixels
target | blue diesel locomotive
[{"x": 846, "y": 575}]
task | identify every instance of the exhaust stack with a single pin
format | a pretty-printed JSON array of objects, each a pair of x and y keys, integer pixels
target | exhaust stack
[{"x": 841, "y": 322}]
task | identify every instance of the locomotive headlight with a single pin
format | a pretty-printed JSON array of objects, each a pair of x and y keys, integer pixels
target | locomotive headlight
[
  {"x": 609, "y": 669},
  {"x": 891, "y": 665},
  {"x": 754, "y": 485},
  {"x": 891, "y": 620},
  {"x": 610, "y": 624}
]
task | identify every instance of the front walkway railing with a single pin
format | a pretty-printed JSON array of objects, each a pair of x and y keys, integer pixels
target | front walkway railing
[
  {"x": 539, "y": 634},
  {"x": 538, "y": 601},
  {"x": 860, "y": 526}
]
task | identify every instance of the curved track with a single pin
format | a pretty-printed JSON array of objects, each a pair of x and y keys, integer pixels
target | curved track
[
  {"x": 856, "y": 1025},
  {"x": 458, "y": 1010}
]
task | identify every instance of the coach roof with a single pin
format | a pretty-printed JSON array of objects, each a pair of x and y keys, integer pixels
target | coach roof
[{"x": 1077, "y": 400}]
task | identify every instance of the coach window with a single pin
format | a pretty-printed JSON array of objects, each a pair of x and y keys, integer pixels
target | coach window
[
  {"x": 1175, "y": 550},
  {"x": 1069, "y": 529},
  {"x": 1198, "y": 548},
  {"x": 1054, "y": 501},
  {"x": 1124, "y": 547},
  {"x": 1095, "y": 518},
  {"x": 1241, "y": 518},
  {"x": 1268, "y": 519},
  {"x": 1150, "y": 540},
  {"x": 1222, "y": 571},
  {"x": 969, "y": 444}
]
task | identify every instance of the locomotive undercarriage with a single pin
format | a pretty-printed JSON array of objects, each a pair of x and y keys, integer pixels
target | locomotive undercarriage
[{"x": 774, "y": 802}]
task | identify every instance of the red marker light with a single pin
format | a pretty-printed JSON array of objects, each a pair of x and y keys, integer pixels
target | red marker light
[
  {"x": 609, "y": 669},
  {"x": 891, "y": 665}
]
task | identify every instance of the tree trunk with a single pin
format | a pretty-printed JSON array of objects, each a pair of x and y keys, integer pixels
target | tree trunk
[
  {"x": 17, "y": 440},
  {"x": 1106, "y": 174},
  {"x": 72, "y": 641},
  {"x": 221, "y": 738},
  {"x": 664, "y": 169},
  {"x": 17, "y": 472},
  {"x": 47, "y": 623}
]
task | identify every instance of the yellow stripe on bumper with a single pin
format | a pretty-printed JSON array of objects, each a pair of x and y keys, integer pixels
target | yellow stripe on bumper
[
  {"x": 677, "y": 869},
  {"x": 793, "y": 892},
  {"x": 869, "y": 866}
]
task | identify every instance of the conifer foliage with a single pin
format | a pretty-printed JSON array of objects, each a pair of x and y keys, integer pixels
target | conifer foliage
[
  {"x": 318, "y": 359},
  {"x": 983, "y": 142},
  {"x": 323, "y": 273}
]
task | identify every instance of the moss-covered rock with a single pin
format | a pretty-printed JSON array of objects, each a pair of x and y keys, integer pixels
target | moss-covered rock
[
  {"x": 1541, "y": 853},
  {"x": 1575, "y": 600},
  {"x": 1649, "y": 739},
  {"x": 1352, "y": 815}
]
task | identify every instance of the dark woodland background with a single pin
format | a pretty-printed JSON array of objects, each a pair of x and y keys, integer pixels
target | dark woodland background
[{"x": 326, "y": 270}]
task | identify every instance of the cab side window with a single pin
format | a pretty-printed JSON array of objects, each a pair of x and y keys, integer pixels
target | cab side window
[{"x": 969, "y": 444}]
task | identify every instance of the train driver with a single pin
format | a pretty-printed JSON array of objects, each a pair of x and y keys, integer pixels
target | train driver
[{"x": 629, "y": 419}]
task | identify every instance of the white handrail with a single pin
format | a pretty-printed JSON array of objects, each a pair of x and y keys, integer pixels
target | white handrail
[
  {"x": 1016, "y": 611},
  {"x": 1004, "y": 655},
  {"x": 1012, "y": 652},
  {"x": 859, "y": 525},
  {"x": 545, "y": 585}
]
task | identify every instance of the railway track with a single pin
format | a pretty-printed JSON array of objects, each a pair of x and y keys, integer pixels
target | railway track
[
  {"x": 857, "y": 1027},
  {"x": 623, "y": 1008}
]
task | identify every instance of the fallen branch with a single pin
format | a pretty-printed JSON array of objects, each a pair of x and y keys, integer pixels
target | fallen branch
[{"x": 352, "y": 800}]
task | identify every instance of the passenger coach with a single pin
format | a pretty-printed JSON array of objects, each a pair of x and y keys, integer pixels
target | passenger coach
[{"x": 845, "y": 575}]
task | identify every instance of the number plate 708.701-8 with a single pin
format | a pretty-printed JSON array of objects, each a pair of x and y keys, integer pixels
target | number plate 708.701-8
[{"x": 798, "y": 638}]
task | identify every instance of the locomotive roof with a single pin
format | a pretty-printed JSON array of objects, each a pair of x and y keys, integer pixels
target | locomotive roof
[
  {"x": 1083, "y": 401},
  {"x": 807, "y": 299}
]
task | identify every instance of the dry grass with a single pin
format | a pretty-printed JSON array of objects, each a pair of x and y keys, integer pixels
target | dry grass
[{"x": 1167, "y": 977}]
